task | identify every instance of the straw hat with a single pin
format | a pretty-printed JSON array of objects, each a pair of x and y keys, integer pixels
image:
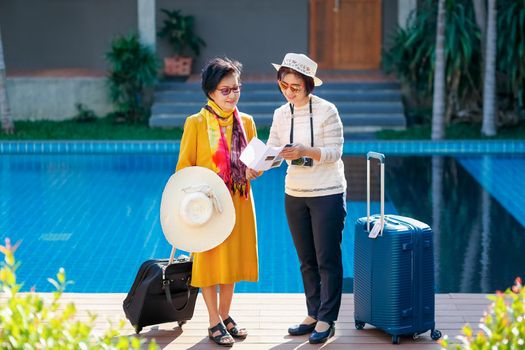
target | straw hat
[
  {"x": 301, "y": 63},
  {"x": 196, "y": 211}
]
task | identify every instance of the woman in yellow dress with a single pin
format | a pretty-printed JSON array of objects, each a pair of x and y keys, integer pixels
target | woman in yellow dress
[{"x": 214, "y": 138}]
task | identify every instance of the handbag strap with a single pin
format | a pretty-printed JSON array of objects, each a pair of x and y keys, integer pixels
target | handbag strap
[
  {"x": 166, "y": 284},
  {"x": 166, "y": 287}
]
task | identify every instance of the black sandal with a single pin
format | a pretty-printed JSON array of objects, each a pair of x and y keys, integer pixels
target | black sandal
[
  {"x": 220, "y": 338},
  {"x": 234, "y": 331}
]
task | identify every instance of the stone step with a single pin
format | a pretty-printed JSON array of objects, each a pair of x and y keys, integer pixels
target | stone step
[
  {"x": 359, "y": 134},
  {"x": 364, "y": 106},
  {"x": 189, "y": 108},
  {"x": 361, "y": 121},
  {"x": 277, "y": 98},
  {"x": 258, "y": 86}
]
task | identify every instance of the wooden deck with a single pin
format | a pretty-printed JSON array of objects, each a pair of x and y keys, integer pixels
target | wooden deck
[{"x": 268, "y": 316}]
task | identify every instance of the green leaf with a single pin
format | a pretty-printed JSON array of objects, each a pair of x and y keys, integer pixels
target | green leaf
[{"x": 29, "y": 322}]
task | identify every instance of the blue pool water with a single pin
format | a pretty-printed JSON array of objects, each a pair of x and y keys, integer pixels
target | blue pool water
[
  {"x": 502, "y": 177},
  {"x": 97, "y": 216}
]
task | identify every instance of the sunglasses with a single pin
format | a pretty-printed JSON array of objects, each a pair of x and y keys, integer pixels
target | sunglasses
[
  {"x": 225, "y": 91},
  {"x": 294, "y": 88}
]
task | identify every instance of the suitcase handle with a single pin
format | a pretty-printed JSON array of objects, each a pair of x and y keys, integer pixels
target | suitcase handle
[
  {"x": 381, "y": 158},
  {"x": 172, "y": 255}
]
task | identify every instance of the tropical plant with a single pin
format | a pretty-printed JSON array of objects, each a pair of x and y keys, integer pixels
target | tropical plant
[
  {"x": 84, "y": 114},
  {"x": 462, "y": 48},
  {"x": 480, "y": 11},
  {"x": 178, "y": 30},
  {"x": 412, "y": 51},
  {"x": 133, "y": 70},
  {"x": 511, "y": 49},
  {"x": 502, "y": 327},
  {"x": 31, "y": 322},
  {"x": 412, "y": 55},
  {"x": 8, "y": 126}
]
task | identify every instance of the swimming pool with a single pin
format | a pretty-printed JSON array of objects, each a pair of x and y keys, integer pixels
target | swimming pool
[{"x": 94, "y": 211}]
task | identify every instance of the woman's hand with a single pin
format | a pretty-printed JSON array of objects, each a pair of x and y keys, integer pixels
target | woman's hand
[
  {"x": 252, "y": 174},
  {"x": 296, "y": 150}
]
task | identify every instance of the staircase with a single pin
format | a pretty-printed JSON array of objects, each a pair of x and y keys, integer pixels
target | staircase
[
  {"x": 364, "y": 107},
  {"x": 355, "y": 174}
]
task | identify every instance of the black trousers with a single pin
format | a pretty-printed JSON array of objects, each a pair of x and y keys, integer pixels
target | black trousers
[{"x": 316, "y": 224}]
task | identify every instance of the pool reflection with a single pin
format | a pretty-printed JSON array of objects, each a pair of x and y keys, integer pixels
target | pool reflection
[{"x": 477, "y": 243}]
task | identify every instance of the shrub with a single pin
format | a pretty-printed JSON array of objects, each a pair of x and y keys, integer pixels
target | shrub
[
  {"x": 133, "y": 71},
  {"x": 84, "y": 114},
  {"x": 502, "y": 327},
  {"x": 511, "y": 49},
  {"x": 28, "y": 321}
]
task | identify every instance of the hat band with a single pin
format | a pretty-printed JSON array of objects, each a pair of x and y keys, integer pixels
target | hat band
[
  {"x": 208, "y": 191},
  {"x": 300, "y": 67}
]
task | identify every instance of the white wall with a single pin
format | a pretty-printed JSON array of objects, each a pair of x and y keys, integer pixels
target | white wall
[{"x": 55, "y": 98}]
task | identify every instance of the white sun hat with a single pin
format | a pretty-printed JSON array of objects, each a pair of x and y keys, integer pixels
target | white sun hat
[
  {"x": 196, "y": 210},
  {"x": 301, "y": 63}
]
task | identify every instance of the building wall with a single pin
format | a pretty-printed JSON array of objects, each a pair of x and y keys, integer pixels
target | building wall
[
  {"x": 62, "y": 34},
  {"x": 56, "y": 34},
  {"x": 390, "y": 21},
  {"x": 55, "y": 98},
  {"x": 253, "y": 32},
  {"x": 51, "y": 34}
]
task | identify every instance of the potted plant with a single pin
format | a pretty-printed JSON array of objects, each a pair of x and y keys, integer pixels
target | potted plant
[{"x": 178, "y": 30}]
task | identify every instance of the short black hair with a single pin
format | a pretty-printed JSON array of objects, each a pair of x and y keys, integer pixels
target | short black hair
[
  {"x": 215, "y": 70},
  {"x": 308, "y": 81}
]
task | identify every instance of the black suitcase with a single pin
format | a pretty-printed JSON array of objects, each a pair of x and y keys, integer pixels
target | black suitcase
[{"x": 161, "y": 293}]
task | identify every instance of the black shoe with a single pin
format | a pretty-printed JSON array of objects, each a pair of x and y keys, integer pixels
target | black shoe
[
  {"x": 224, "y": 338},
  {"x": 321, "y": 337},
  {"x": 301, "y": 329},
  {"x": 235, "y": 332}
]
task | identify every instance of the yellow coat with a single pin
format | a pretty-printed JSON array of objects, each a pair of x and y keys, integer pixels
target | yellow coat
[{"x": 236, "y": 258}]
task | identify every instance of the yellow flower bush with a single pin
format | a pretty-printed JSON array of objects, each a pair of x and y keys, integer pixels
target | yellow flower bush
[{"x": 27, "y": 321}]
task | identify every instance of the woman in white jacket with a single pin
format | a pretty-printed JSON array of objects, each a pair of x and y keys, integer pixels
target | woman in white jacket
[{"x": 315, "y": 189}]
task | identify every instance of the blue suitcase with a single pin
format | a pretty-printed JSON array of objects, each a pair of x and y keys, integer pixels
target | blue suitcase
[{"x": 393, "y": 272}]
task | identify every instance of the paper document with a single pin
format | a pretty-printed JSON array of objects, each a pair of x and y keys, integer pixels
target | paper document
[{"x": 258, "y": 156}]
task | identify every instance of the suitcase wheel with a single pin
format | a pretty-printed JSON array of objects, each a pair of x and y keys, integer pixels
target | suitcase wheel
[
  {"x": 395, "y": 339},
  {"x": 435, "y": 334},
  {"x": 359, "y": 325},
  {"x": 137, "y": 329},
  {"x": 181, "y": 323}
]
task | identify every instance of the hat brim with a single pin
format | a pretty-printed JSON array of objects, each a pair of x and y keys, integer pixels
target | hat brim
[
  {"x": 317, "y": 81},
  {"x": 203, "y": 237}
]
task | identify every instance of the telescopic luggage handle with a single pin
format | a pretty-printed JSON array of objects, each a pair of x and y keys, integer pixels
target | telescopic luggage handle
[
  {"x": 172, "y": 255},
  {"x": 381, "y": 158}
]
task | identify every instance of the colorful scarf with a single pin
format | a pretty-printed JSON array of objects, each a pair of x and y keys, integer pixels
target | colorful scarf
[{"x": 227, "y": 163}]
